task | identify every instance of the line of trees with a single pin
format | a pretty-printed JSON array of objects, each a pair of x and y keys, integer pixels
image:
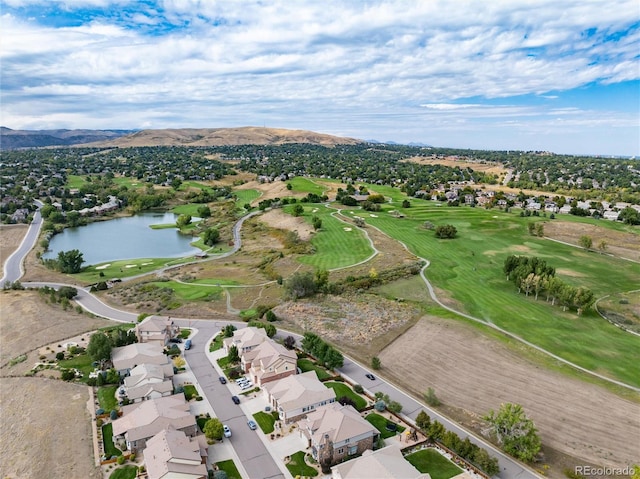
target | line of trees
[
  {"x": 532, "y": 275},
  {"x": 328, "y": 356}
]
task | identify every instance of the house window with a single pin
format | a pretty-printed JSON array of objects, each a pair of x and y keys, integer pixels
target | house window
[
  {"x": 347, "y": 440},
  {"x": 353, "y": 450},
  {"x": 341, "y": 450}
]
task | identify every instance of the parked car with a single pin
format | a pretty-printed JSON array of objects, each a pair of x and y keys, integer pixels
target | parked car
[
  {"x": 370, "y": 376},
  {"x": 227, "y": 431},
  {"x": 246, "y": 386},
  {"x": 252, "y": 424},
  {"x": 222, "y": 380},
  {"x": 187, "y": 344},
  {"x": 241, "y": 380},
  {"x": 235, "y": 399},
  {"x": 175, "y": 340}
]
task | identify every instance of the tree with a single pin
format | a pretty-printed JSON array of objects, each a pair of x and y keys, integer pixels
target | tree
[
  {"x": 602, "y": 246},
  {"x": 183, "y": 220},
  {"x": 585, "y": 241},
  {"x": 583, "y": 298},
  {"x": 99, "y": 347},
  {"x": 317, "y": 222},
  {"x": 446, "y": 231},
  {"x": 289, "y": 342},
  {"x": 423, "y": 421},
  {"x": 68, "y": 292},
  {"x": 333, "y": 358},
  {"x": 375, "y": 362},
  {"x": 213, "y": 429},
  {"x": 228, "y": 330},
  {"x": 436, "y": 430},
  {"x": 629, "y": 216},
  {"x": 176, "y": 183},
  {"x": 211, "y": 236},
  {"x": 515, "y": 432},
  {"x": 300, "y": 285},
  {"x": 430, "y": 398},
  {"x": 484, "y": 461},
  {"x": 234, "y": 356},
  {"x": 70, "y": 261},
  {"x": 298, "y": 210},
  {"x": 406, "y": 204},
  {"x": 359, "y": 222},
  {"x": 204, "y": 211}
]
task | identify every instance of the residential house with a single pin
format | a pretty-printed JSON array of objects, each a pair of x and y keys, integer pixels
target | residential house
[
  {"x": 125, "y": 358},
  {"x": 611, "y": 215},
  {"x": 295, "y": 396},
  {"x": 245, "y": 339},
  {"x": 269, "y": 361},
  {"x": 141, "y": 421},
  {"x": 156, "y": 329},
  {"x": 149, "y": 381},
  {"x": 171, "y": 454},
  {"x": 385, "y": 463},
  {"x": 336, "y": 432}
]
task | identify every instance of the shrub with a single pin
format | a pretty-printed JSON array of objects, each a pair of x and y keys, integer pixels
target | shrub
[
  {"x": 60, "y": 356},
  {"x": 380, "y": 406},
  {"x": 430, "y": 398},
  {"x": 99, "y": 422},
  {"x": 358, "y": 388},
  {"x": 120, "y": 460},
  {"x": 113, "y": 414},
  {"x": 132, "y": 457},
  {"x": 68, "y": 374}
]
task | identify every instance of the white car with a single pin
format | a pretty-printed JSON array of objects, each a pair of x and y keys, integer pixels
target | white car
[
  {"x": 241, "y": 380},
  {"x": 227, "y": 431},
  {"x": 246, "y": 386}
]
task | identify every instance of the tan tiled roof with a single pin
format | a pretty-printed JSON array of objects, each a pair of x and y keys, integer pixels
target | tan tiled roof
[
  {"x": 385, "y": 463},
  {"x": 171, "y": 451},
  {"x": 145, "y": 373},
  {"x": 147, "y": 418},
  {"x": 131, "y": 355},
  {"x": 246, "y": 337},
  {"x": 154, "y": 324},
  {"x": 145, "y": 390},
  {"x": 268, "y": 353},
  {"x": 299, "y": 390},
  {"x": 337, "y": 421}
]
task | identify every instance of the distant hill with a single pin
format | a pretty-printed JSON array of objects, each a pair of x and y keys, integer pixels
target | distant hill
[
  {"x": 248, "y": 135},
  {"x": 14, "y": 139}
]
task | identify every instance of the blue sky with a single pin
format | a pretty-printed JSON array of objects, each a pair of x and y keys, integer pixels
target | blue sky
[{"x": 505, "y": 74}]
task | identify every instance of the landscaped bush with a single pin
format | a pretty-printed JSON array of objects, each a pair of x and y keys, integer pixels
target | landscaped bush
[
  {"x": 60, "y": 356},
  {"x": 120, "y": 460},
  {"x": 358, "y": 388},
  {"x": 113, "y": 415}
]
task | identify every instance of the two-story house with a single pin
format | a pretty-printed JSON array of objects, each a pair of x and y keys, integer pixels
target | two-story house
[
  {"x": 295, "y": 396},
  {"x": 148, "y": 381},
  {"x": 269, "y": 361},
  {"x": 171, "y": 454},
  {"x": 385, "y": 463},
  {"x": 156, "y": 329},
  {"x": 125, "y": 358},
  {"x": 245, "y": 339}
]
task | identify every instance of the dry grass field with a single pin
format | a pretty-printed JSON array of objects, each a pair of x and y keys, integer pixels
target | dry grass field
[
  {"x": 10, "y": 238},
  {"x": 485, "y": 167},
  {"x": 476, "y": 373}
]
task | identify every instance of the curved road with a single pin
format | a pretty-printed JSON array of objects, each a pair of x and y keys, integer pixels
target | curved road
[{"x": 255, "y": 458}]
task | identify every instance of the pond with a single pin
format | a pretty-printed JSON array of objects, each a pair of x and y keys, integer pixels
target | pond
[{"x": 124, "y": 238}]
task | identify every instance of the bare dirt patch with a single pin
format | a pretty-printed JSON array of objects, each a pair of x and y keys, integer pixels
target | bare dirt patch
[
  {"x": 10, "y": 238},
  {"x": 476, "y": 373},
  {"x": 45, "y": 430},
  {"x": 618, "y": 243},
  {"x": 483, "y": 166},
  {"x": 275, "y": 189},
  {"x": 279, "y": 219}
]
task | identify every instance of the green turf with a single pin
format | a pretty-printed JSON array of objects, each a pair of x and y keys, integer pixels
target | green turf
[
  {"x": 190, "y": 209},
  {"x": 305, "y": 185},
  {"x": 191, "y": 292},
  {"x": 107, "y": 398},
  {"x": 265, "y": 421},
  {"x": 125, "y": 268},
  {"x": 81, "y": 362},
  {"x": 246, "y": 196},
  {"x": 431, "y": 461},
  {"x": 298, "y": 467},
  {"x": 230, "y": 468},
  {"x": 380, "y": 424},
  {"x": 341, "y": 389},
  {"x": 335, "y": 246},
  {"x": 75, "y": 181},
  {"x": 124, "y": 472},
  {"x": 110, "y": 449},
  {"x": 470, "y": 268},
  {"x": 216, "y": 343},
  {"x": 308, "y": 365},
  {"x": 190, "y": 391}
]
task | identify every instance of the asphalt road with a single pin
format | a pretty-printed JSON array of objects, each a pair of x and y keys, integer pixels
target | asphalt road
[{"x": 251, "y": 451}]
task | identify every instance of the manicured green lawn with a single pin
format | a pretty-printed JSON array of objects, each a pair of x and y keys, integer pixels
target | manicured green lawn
[
  {"x": 124, "y": 472},
  {"x": 110, "y": 449},
  {"x": 246, "y": 196},
  {"x": 470, "y": 269},
  {"x": 298, "y": 467},
  {"x": 201, "y": 421},
  {"x": 300, "y": 184},
  {"x": 380, "y": 423},
  {"x": 184, "y": 333},
  {"x": 107, "y": 398},
  {"x": 230, "y": 468},
  {"x": 341, "y": 389},
  {"x": 266, "y": 421},
  {"x": 308, "y": 365},
  {"x": 431, "y": 461},
  {"x": 124, "y": 268},
  {"x": 190, "y": 391},
  {"x": 81, "y": 362},
  {"x": 191, "y": 291},
  {"x": 75, "y": 181},
  {"x": 337, "y": 244},
  {"x": 216, "y": 343}
]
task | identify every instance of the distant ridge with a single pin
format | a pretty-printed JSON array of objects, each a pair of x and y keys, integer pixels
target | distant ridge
[
  {"x": 15, "y": 139},
  {"x": 248, "y": 135}
]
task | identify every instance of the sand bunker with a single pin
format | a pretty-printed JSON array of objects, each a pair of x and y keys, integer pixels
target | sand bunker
[
  {"x": 104, "y": 266},
  {"x": 347, "y": 229}
]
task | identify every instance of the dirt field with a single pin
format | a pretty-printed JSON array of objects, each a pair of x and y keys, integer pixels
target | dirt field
[
  {"x": 486, "y": 167},
  {"x": 10, "y": 238},
  {"x": 476, "y": 373},
  {"x": 619, "y": 243},
  {"x": 282, "y": 220},
  {"x": 45, "y": 430}
]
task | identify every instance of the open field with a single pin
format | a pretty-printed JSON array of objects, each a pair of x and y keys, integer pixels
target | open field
[
  {"x": 277, "y": 218},
  {"x": 300, "y": 184},
  {"x": 483, "y": 166},
  {"x": 277, "y": 189},
  {"x": 246, "y": 196},
  {"x": 477, "y": 373},
  {"x": 623, "y": 309},
  {"x": 10, "y": 238},
  {"x": 45, "y": 430},
  {"x": 469, "y": 268}
]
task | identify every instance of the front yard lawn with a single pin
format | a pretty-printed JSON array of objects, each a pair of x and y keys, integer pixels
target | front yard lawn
[
  {"x": 184, "y": 333},
  {"x": 380, "y": 423},
  {"x": 266, "y": 421},
  {"x": 308, "y": 365},
  {"x": 216, "y": 343},
  {"x": 298, "y": 467},
  {"x": 107, "y": 398},
  {"x": 230, "y": 468},
  {"x": 201, "y": 421},
  {"x": 125, "y": 472},
  {"x": 341, "y": 389},
  {"x": 190, "y": 391},
  {"x": 431, "y": 461},
  {"x": 110, "y": 449},
  {"x": 81, "y": 362}
]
